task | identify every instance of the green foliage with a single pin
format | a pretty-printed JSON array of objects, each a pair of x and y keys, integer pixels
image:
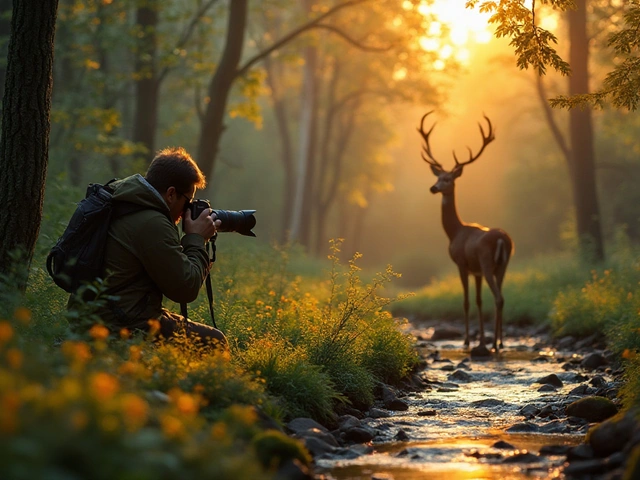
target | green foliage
[
  {"x": 532, "y": 44},
  {"x": 273, "y": 448},
  {"x": 529, "y": 290}
]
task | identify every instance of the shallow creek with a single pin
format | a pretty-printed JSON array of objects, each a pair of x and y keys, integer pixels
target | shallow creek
[{"x": 450, "y": 430}]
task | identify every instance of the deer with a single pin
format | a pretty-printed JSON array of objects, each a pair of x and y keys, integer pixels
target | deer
[{"x": 476, "y": 250}]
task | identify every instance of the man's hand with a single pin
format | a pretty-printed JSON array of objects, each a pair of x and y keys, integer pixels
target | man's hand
[{"x": 205, "y": 225}]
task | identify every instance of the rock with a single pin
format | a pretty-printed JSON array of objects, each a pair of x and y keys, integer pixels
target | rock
[
  {"x": 378, "y": 413},
  {"x": 552, "y": 379},
  {"x": 402, "y": 436},
  {"x": 612, "y": 435},
  {"x": 480, "y": 351},
  {"x": 381, "y": 476},
  {"x": 427, "y": 413},
  {"x": 348, "y": 421},
  {"x": 358, "y": 435},
  {"x": 529, "y": 411},
  {"x": 521, "y": 456},
  {"x": 463, "y": 365},
  {"x": 547, "y": 388},
  {"x": 501, "y": 444},
  {"x": 554, "y": 427},
  {"x": 582, "y": 390},
  {"x": 488, "y": 403},
  {"x": 632, "y": 469},
  {"x": 300, "y": 424},
  {"x": 397, "y": 405},
  {"x": 293, "y": 470},
  {"x": 524, "y": 427},
  {"x": 580, "y": 452},
  {"x": 598, "y": 381},
  {"x": 448, "y": 368},
  {"x": 551, "y": 450},
  {"x": 460, "y": 376},
  {"x": 565, "y": 342},
  {"x": 318, "y": 447},
  {"x": 446, "y": 333},
  {"x": 317, "y": 433},
  {"x": 594, "y": 408},
  {"x": 593, "y": 361}
]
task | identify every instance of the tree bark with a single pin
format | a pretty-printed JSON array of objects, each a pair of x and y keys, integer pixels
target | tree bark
[
  {"x": 581, "y": 132},
  {"x": 5, "y": 31},
  {"x": 25, "y": 129},
  {"x": 146, "y": 86}
]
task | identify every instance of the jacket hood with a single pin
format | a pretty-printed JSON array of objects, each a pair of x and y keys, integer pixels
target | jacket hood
[{"x": 135, "y": 189}]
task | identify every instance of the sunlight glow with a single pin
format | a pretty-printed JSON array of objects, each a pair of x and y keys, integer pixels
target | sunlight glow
[{"x": 453, "y": 29}]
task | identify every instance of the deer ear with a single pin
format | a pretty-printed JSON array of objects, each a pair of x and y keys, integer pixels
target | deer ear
[
  {"x": 436, "y": 171},
  {"x": 457, "y": 172}
]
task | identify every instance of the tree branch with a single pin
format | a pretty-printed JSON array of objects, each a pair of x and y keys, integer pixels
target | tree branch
[
  {"x": 293, "y": 34},
  {"x": 551, "y": 121}
]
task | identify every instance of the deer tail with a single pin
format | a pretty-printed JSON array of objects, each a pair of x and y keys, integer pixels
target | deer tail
[{"x": 501, "y": 256}]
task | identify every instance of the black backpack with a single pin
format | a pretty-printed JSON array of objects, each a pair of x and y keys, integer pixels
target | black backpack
[{"x": 78, "y": 255}]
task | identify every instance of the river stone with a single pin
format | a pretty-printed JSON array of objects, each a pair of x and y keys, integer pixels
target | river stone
[
  {"x": 427, "y": 413},
  {"x": 317, "y": 433},
  {"x": 521, "y": 456},
  {"x": 580, "y": 452},
  {"x": 524, "y": 427},
  {"x": 293, "y": 469},
  {"x": 552, "y": 379},
  {"x": 402, "y": 436},
  {"x": 551, "y": 450},
  {"x": 358, "y": 435},
  {"x": 378, "y": 413},
  {"x": 382, "y": 476},
  {"x": 593, "y": 361},
  {"x": 480, "y": 351},
  {"x": 598, "y": 381},
  {"x": 397, "y": 405},
  {"x": 300, "y": 424},
  {"x": 501, "y": 444},
  {"x": 318, "y": 447},
  {"x": 448, "y": 368},
  {"x": 446, "y": 333},
  {"x": 547, "y": 388},
  {"x": 348, "y": 421},
  {"x": 565, "y": 342},
  {"x": 594, "y": 409},
  {"x": 488, "y": 403},
  {"x": 460, "y": 376},
  {"x": 582, "y": 390},
  {"x": 529, "y": 411},
  {"x": 612, "y": 435}
]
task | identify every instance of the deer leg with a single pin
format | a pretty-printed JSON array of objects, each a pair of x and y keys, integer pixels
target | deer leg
[
  {"x": 499, "y": 278},
  {"x": 464, "y": 278},
  {"x": 479, "y": 304},
  {"x": 499, "y": 300}
]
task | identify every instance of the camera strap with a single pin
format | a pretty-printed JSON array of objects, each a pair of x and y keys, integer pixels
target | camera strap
[{"x": 211, "y": 251}]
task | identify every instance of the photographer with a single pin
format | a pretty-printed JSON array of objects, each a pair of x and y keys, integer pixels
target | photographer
[{"x": 145, "y": 258}]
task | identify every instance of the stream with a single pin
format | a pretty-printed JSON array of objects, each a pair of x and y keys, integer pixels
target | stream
[{"x": 485, "y": 418}]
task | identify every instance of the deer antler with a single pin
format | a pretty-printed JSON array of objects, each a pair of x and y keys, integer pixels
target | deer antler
[
  {"x": 486, "y": 140},
  {"x": 427, "y": 149}
]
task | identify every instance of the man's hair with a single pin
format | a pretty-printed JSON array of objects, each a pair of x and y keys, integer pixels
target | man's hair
[{"x": 174, "y": 167}]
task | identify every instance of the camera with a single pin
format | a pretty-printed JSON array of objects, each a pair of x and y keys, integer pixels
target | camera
[{"x": 232, "y": 221}]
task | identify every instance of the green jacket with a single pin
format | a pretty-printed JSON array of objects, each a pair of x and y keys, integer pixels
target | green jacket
[{"x": 145, "y": 259}]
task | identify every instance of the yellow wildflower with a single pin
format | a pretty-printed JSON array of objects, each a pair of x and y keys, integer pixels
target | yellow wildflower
[
  {"x": 104, "y": 385},
  {"x": 218, "y": 431},
  {"x": 243, "y": 414},
  {"x": 22, "y": 314},
  {"x": 70, "y": 388},
  {"x": 125, "y": 333},
  {"x": 109, "y": 423},
  {"x": 99, "y": 332},
  {"x": 76, "y": 351},
  {"x": 135, "y": 352}
]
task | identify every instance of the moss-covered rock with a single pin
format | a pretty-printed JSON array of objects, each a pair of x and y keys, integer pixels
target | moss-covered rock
[
  {"x": 274, "y": 448},
  {"x": 592, "y": 409},
  {"x": 613, "y": 434}
]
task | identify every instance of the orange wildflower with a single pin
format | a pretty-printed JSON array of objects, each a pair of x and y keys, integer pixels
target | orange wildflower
[
  {"x": 154, "y": 326},
  {"x": 99, "y": 332},
  {"x": 14, "y": 358},
  {"x": 135, "y": 410},
  {"x": 104, "y": 385},
  {"x": 6, "y": 332}
]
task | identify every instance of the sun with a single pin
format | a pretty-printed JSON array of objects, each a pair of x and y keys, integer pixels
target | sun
[{"x": 453, "y": 30}]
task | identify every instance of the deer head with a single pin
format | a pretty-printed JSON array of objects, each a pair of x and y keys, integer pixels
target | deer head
[{"x": 446, "y": 179}]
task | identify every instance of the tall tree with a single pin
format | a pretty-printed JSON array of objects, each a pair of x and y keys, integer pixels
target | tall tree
[{"x": 25, "y": 128}]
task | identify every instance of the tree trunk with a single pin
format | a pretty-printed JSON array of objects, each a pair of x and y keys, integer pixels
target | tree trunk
[
  {"x": 5, "y": 31},
  {"x": 146, "y": 107},
  {"x": 581, "y": 131},
  {"x": 220, "y": 87},
  {"x": 282, "y": 123},
  {"x": 25, "y": 129}
]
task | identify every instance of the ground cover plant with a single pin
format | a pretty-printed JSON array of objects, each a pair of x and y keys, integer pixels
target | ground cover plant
[{"x": 79, "y": 400}]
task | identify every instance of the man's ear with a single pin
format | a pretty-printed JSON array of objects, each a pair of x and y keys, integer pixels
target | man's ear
[
  {"x": 457, "y": 172},
  {"x": 436, "y": 170}
]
